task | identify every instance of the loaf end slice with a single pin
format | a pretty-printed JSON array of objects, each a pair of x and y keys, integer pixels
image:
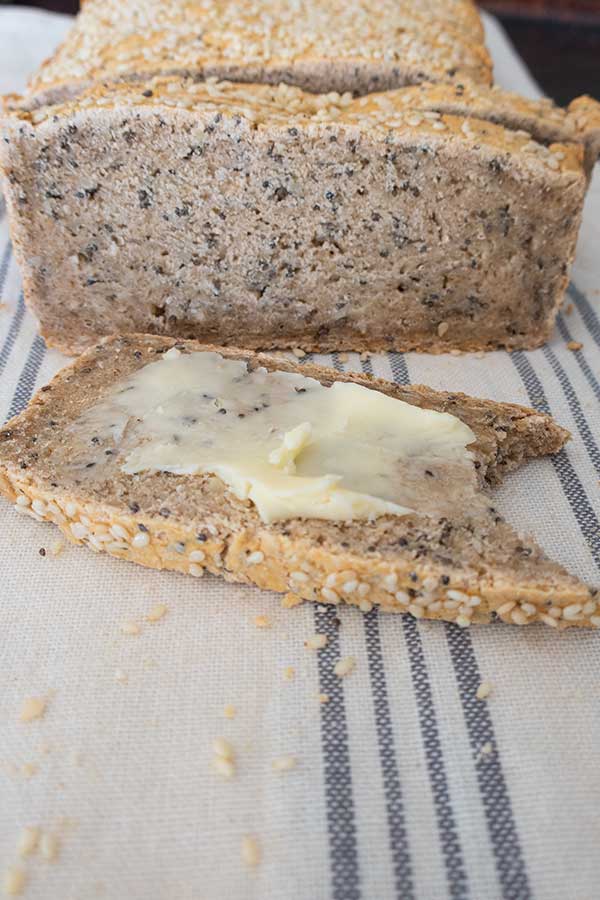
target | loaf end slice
[{"x": 465, "y": 567}]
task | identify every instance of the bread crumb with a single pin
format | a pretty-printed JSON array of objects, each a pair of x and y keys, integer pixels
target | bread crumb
[
  {"x": 131, "y": 628},
  {"x": 263, "y": 622},
  {"x": 574, "y": 345},
  {"x": 284, "y": 763},
  {"x": 316, "y": 642},
  {"x": 230, "y": 711},
  {"x": 49, "y": 846},
  {"x": 288, "y": 601},
  {"x": 28, "y": 840},
  {"x": 569, "y": 309},
  {"x": 344, "y": 666},
  {"x": 56, "y": 548},
  {"x": 121, "y": 676},
  {"x": 324, "y": 698},
  {"x": 223, "y": 748},
  {"x": 28, "y": 770},
  {"x": 442, "y": 329},
  {"x": 251, "y": 853},
  {"x": 224, "y": 767},
  {"x": 33, "y": 708},
  {"x": 157, "y": 612},
  {"x": 484, "y": 690},
  {"x": 298, "y": 353},
  {"x": 14, "y": 881},
  {"x": 289, "y": 673},
  {"x": 486, "y": 749},
  {"x": 343, "y": 357}
]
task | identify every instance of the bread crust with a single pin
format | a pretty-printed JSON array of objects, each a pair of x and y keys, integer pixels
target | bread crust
[{"x": 303, "y": 561}]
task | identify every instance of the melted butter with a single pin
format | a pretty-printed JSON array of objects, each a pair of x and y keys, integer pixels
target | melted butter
[{"x": 292, "y": 446}]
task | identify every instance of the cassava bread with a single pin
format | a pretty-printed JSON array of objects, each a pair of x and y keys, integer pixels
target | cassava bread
[
  {"x": 462, "y": 567},
  {"x": 269, "y": 217},
  {"x": 319, "y": 45}
]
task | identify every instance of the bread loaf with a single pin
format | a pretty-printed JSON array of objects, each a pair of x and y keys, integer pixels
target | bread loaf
[
  {"x": 269, "y": 217},
  {"x": 459, "y": 561}
]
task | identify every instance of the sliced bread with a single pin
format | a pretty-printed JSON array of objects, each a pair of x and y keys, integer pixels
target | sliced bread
[
  {"x": 458, "y": 561},
  {"x": 268, "y": 217}
]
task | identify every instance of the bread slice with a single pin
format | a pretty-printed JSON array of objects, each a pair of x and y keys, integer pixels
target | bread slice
[
  {"x": 462, "y": 566},
  {"x": 319, "y": 45},
  {"x": 243, "y": 214}
]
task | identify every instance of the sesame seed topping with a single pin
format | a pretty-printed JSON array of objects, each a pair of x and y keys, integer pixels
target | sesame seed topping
[
  {"x": 316, "y": 642},
  {"x": 484, "y": 690},
  {"x": 140, "y": 540},
  {"x": 344, "y": 666},
  {"x": 28, "y": 840},
  {"x": 572, "y": 612},
  {"x": 119, "y": 532},
  {"x": 365, "y": 606},
  {"x": 14, "y": 881},
  {"x": 196, "y": 556},
  {"x": 298, "y": 353},
  {"x": 329, "y": 595},
  {"x": 23, "y": 500},
  {"x": 79, "y": 531},
  {"x": 529, "y": 609},
  {"x": 39, "y": 507},
  {"x": 299, "y": 576},
  {"x": 595, "y": 621},
  {"x": 49, "y": 846},
  {"x": 519, "y": 617},
  {"x": 284, "y": 763},
  {"x": 250, "y": 850},
  {"x": 463, "y": 621},
  {"x": 402, "y": 597},
  {"x": 255, "y": 558},
  {"x": 196, "y": 570},
  {"x": 157, "y": 612},
  {"x": 33, "y": 708},
  {"x": 506, "y": 608}
]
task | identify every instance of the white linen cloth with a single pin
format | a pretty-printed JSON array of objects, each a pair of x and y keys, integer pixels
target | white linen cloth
[{"x": 392, "y": 796}]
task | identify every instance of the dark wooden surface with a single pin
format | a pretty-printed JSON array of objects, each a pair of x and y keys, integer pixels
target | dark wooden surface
[{"x": 558, "y": 39}]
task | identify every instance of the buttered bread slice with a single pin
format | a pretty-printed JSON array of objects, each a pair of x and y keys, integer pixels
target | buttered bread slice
[{"x": 325, "y": 486}]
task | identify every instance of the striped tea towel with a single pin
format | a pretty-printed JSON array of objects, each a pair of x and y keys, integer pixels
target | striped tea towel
[{"x": 406, "y": 785}]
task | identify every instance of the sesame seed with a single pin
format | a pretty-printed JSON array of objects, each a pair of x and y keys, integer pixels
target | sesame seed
[
  {"x": 331, "y": 580},
  {"x": 574, "y": 345},
  {"x": 402, "y": 597},
  {"x": 344, "y": 666},
  {"x": 506, "y": 608},
  {"x": 33, "y": 708},
  {"x": 363, "y": 589},
  {"x": 329, "y": 595},
  {"x": 157, "y": 612},
  {"x": 251, "y": 853},
  {"x": 390, "y": 582},
  {"x": 223, "y": 748},
  {"x": 349, "y": 587},
  {"x": 555, "y": 612},
  {"x": 590, "y": 607},
  {"x": 71, "y": 510},
  {"x": 457, "y": 595},
  {"x": 316, "y": 642},
  {"x": 49, "y": 847},
  {"x": 484, "y": 690},
  {"x": 196, "y": 570},
  {"x": 14, "y": 881},
  {"x": 595, "y": 621},
  {"x": 23, "y": 500},
  {"x": 529, "y": 609},
  {"x": 284, "y": 763},
  {"x": 255, "y": 558},
  {"x": 548, "y": 620},
  {"x": 119, "y": 532},
  {"x": 519, "y": 617},
  {"x": 196, "y": 556},
  {"x": 28, "y": 840},
  {"x": 224, "y": 767},
  {"x": 230, "y": 711},
  {"x": 298, "y": 353},
  {"x": 323, "y": 698},
  {"x": 140, "y": 540},
  {"x": 263, "y": 622},
  {"x": 416, "y": 611},
  {"x": 299, "y": 576},
  {"x": 130, "y": 627},
  {"x": 39, "y": 507},
  {"x": 572, "y": 612},
  {"x": 463, "y": 621},
  {"x": 78, "y": 530},
  {"x": 365, "y": 606}
]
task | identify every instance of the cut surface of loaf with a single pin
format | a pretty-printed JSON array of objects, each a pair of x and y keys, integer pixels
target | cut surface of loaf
[
  {"x": 319, "y": 45},
  {"x": 462, "y": 566},
  {"x": 269, "y": 217}
]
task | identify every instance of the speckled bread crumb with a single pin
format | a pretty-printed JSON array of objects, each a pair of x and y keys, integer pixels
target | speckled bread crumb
[
  {"x": 418, "y": 565},
  {"x": 345, "y": 181}
]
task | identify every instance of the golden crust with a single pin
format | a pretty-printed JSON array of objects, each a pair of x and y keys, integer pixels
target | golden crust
[{"x": 278, "y": 563}]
